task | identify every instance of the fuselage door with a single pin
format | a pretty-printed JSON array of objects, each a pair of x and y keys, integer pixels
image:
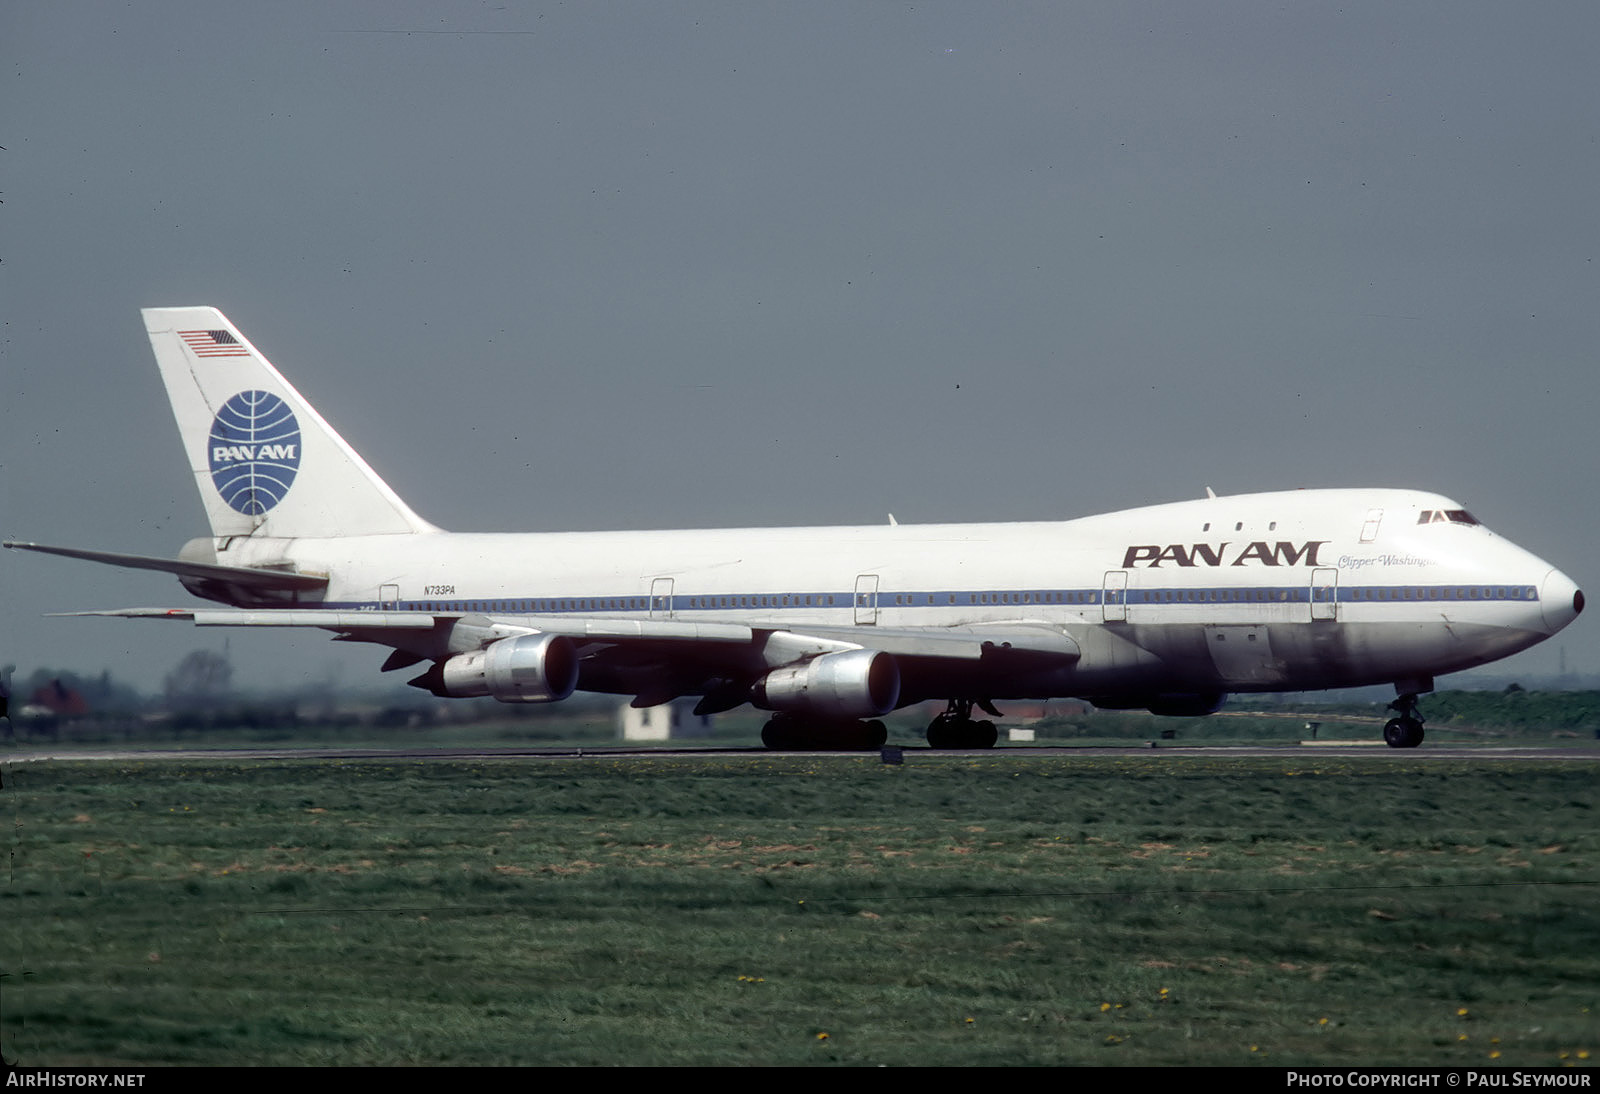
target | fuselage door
[
  {"x": 661, "y": 598},
  {"x": 388, "y": 598},
  {"x": 866, "y": 599},
  {"x": 1324, "y": 593},
  {"x": 1114, "y": 596}
]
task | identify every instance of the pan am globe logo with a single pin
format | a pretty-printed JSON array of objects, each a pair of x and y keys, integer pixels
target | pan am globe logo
[{"x": 255, "y": 451}]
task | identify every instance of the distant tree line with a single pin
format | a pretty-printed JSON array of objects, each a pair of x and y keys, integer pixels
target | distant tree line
[
  {"x": 1516, "y": 711},
  {"x": 68, "y": 692}
]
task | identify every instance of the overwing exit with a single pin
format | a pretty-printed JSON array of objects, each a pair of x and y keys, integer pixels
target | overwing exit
[{"x": 1167, "y": 608}]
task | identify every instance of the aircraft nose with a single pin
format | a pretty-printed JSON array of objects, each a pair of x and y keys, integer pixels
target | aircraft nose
[{"x": 1560, "y": 600}]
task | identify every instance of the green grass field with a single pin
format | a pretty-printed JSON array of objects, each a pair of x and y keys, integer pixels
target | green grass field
[
  {"x": 1570, "y": 718},
  {"x": 765, "y": 909}
]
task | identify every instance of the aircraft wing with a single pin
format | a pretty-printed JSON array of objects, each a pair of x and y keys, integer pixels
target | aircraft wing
[
  {"x": 656, "y": 660},
  {"x": 967, "y": 643},
  {"x": 334, "y": 619}
]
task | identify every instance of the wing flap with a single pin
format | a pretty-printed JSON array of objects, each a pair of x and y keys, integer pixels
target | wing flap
[
  {"x": 962, "y": 643},
  {"x": 623, "y": 629}
]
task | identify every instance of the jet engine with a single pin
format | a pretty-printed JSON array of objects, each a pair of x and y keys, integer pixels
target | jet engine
[
  {"x": 851, "y": 684},
  {"x": 532, "y": 668}
]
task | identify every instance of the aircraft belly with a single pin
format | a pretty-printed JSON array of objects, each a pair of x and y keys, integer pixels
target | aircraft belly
[
  {"x": 1285, "y": 656},
  {"x": 1378, "y": 652},
  {"x": 1237, "y": 657},
  {"x": 1314, "y": 655}
]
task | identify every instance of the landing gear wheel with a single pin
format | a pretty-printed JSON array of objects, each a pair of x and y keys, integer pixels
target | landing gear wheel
[
  {"x": 1402, "y": 733},
  {"x": 778, "y": 734},
  {"x": 793, "y": 733},
  {"x": 942, "y": 733},
  {"x": 956, "y": 729},
  {"x": 877, "y": 735}
]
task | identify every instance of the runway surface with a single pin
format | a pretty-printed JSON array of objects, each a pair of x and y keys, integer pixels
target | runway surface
[{"x": 1376, "y": 750}]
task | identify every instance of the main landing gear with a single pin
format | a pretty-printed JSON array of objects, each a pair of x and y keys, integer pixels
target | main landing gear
[
  {"x": 956, "y": 729},
  {"x": 1406, "y": 730},
  {"x": 791, "y": 732}
]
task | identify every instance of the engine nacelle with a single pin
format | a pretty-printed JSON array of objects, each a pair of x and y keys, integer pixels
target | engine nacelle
[
  {"x": 851, "y": 684},
  {"x": 532, "y": 668}
]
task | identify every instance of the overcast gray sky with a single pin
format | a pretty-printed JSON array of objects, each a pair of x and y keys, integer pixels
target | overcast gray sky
[{"x": 632, "y": 265}]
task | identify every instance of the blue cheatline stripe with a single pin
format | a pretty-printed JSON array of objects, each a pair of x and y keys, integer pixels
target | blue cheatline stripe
[{"x": 686, "y": 604}]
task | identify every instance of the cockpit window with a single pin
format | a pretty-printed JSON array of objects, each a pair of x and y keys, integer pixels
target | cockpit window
[{"x": 1446, "y": 516}]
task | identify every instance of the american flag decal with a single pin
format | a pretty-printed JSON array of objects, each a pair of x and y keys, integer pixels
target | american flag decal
[{"x": 213, "y": 343}]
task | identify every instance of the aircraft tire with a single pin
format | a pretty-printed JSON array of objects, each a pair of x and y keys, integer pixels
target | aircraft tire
[
  {"x": 947, "y": 731},
  {"x": 790, "y": 734},
  {"x": 1402, "y": 733},
  {"x": 778, "y": 735},
  {"x": 876, "y": 736}
]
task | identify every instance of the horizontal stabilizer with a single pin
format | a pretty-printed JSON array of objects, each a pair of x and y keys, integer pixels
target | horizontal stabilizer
[{"x": 278, "y": 580}]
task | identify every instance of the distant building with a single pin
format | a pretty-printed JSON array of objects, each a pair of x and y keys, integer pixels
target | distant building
[
  {"x": 667, "y": 722},
  {"x": 59, "y": 699}
]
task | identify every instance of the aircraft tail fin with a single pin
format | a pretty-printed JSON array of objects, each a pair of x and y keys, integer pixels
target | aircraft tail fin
[{"x": 266, "y": 463}]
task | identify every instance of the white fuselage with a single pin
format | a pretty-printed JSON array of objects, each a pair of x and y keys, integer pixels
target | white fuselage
[{"x": 1280, "y": 591}]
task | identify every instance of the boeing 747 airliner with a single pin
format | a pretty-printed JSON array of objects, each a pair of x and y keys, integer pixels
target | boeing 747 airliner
[{"x": 1167, "y": 608}]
